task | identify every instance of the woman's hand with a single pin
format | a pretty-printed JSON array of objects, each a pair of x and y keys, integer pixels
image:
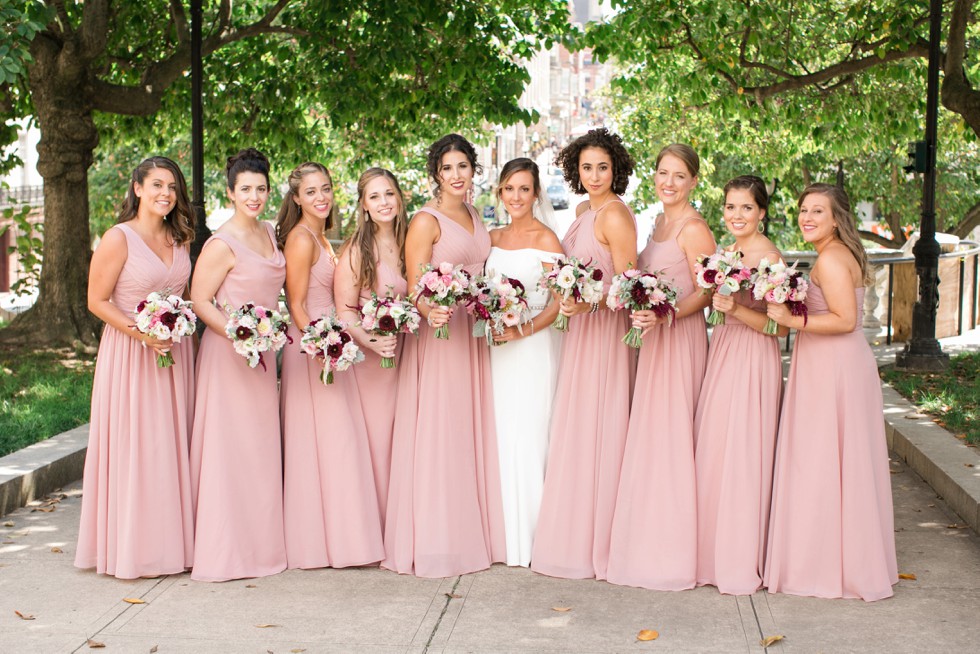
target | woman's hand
[
  {"x": 512, "y": 334},
  {"x": 644, "y": 320},
  {"x": 571, "y": 307},
  {"x": 722, "y": 303},
  {"x": 780, "y": 313},
  {"x": 161, "y": 347},
  {"x": 439, "y": 316},
  {"x": 383, "y": 346}
]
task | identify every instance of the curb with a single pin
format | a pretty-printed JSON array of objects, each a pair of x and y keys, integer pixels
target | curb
[
  {"x": 945, "y": 462},
  {"x": 33, "y": 472}
]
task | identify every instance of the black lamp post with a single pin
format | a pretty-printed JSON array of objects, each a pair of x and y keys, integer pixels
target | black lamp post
[
  {"x": 201, "y": 231},
  {"x": 923, "y": 351}
]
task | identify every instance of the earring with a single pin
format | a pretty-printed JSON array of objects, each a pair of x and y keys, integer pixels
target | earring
[{"x": 761, "y": 227}]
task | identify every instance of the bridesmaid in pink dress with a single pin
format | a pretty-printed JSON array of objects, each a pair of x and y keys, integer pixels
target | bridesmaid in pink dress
[
  {"x": 236, "y": 456},
  {"x": 444, "y": 514},
  {"x": 831, "y": 529},
  {"x": 330, "y": 502},
  {"x": 737, "y": 416},
  {"x": 374, "y": 260},
  {"x": 591, "y": 409},
  {"x": 137, "y": 515},
  {"x": 654, "y": 530}
]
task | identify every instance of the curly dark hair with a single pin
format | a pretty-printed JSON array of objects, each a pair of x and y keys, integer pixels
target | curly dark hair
[
  {"x": 603, "y": 139},
  {"x": 248, "y": 160},
  {"x": 449, "y": 143}
]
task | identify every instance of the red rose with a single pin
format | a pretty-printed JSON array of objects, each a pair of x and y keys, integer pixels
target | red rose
[
  {"x": 335, "y": 350},
  {"x": 243, "y": 333},
  {"x": 387, "y": 324},
  {"x": 597, "y": 275}
]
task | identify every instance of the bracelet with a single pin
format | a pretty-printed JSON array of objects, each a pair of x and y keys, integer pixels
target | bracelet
[
  {"x": 595, "y": 307},
  {"x": 532, "y": 326}
]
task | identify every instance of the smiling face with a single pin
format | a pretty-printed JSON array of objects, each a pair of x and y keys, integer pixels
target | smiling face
[
  {"x": 816, "y": 218},
  {"x": 517, "y": 194},
  {"x": 380, "y": 200},
  {"x": 674, "y": 181},
  {"x": 250, "y": 194},
  {"x": 595, "y": 171},
  {"x": 455, "y": 174},
  {"x": 158, "y": 192},
  {"x": 315, "y": 195},
  {"x": 742, "y": 214}
]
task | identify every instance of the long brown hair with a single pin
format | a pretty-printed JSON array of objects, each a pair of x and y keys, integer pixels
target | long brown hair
[
  {"x": 180, "y": 220},
  {"x": 840, "y": 207},
  {"x": 289, "y": 212},
  {"x": 363, "y": 238}
]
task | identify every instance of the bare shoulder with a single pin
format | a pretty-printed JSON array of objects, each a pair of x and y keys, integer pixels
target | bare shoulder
[
  {"x": 545, "y": 239},
  {"x": 113, "y": 240},
  {"x": 581, "y": 208}
]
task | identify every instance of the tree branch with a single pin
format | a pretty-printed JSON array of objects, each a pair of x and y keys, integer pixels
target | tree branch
[
  {"x": 63, "y": 22},
  {"x": 879, "y": 239},
  {"x": 180, "y": 21},
  {"x": 970, "y": 221},
  {"x": 93, "y": 33},
  {"x": 957, "y": 93}
]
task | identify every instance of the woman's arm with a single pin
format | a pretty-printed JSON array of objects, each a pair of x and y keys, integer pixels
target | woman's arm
[
  {"x": 835, "y": 267},
  {"x": 213, "y": 265},
  {"x": 695, "y": 240},
  {"x": 423, "y": 232},
  {"x": 301, "y": 253},
  {"x": 347, "y": 297}
]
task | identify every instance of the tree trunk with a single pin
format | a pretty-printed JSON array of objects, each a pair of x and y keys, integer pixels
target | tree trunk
[{"x": 68, "y": 139}]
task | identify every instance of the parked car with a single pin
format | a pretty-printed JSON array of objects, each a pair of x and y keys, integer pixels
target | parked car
[{"x": 558, "y": 195}]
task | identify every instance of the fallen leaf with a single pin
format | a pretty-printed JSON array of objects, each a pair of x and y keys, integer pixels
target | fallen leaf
[
  {"x": 894, "y": 472},
  {"x": 906, "y": 575},
  {"x": 57, "y": 550},
  {"x": 968, "y": 465},
  {"x": 250, "y": 586},
  {"x": 24, "y": 616},
  {"x": 134, "y": 600},
  {"x": 43, "y": 509},
  {"x": 914, "y": 416},
  {"x": 771, "y": 640},
  {"x": 153, "y": 650},
  {"x": 7, "y": 542},
  {"x": 955, "y": 526},
  {"x": 8, "y": 524},
  {"x": 561, "y": 609},
  {"x": 267, "y": 626},
  {"x": 647, "y": 634},
  {"x": 453, "y": 595},
  {"x": 932, "y": 505},
  {"x": 297, "y": 650},
  {"x": 94, "y": 644}
]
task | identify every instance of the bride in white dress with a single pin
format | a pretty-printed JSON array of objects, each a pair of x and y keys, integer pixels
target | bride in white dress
[{"x": 524, "y": 366}]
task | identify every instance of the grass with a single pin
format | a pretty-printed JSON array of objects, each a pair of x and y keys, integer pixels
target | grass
[
  {"x": 42, "y": 393},
  {"x": 951, "y": 397}
]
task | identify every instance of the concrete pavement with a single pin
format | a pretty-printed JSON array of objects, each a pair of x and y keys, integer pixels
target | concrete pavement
[{"x": 499, "y": 610}]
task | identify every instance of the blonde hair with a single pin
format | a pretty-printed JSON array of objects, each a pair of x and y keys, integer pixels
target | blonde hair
[
  {"x": 840, "y": 207},
  {"x": 683, "y": 152},
  {"x": 363, "y": 238},
  {"x": 289, "y": 212}
]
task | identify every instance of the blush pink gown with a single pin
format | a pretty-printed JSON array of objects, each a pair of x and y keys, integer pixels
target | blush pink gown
[
  {"x": 236, "y": 449},
  {"x": 831, "y": 528},
  {"x": 445, "y": 515},
  {"x": 654, "y": 531},
  {"x": 588, "y": 430},
  {"x": 331, "y": 506},
  {"x": 734, "y": 446},
  {"x": 137, "y": 513},
  {"x": 377, "y": 388}
]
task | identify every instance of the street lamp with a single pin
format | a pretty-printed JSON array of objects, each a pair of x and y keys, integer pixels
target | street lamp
[{"x": 923, "y": 351}]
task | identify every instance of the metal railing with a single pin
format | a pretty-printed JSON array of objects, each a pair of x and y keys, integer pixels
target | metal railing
[{"x": 21, "y": 195}]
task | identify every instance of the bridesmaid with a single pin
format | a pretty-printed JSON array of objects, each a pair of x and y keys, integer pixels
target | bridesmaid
[
  {"x": 137, "y": 516},
  {"x": 737, "y": 416},
  {"x": 444, "y": 514},
  {"x": 374, "y": 260},
  {"x": 831, "y": 529},
  {"x": 654, "y": 531},
  {"x": 236, "y": 456},
  {"x": 592, "y": 400},
  {"x": 526, "y": 371},
  {"x": 330, "y": 503}
]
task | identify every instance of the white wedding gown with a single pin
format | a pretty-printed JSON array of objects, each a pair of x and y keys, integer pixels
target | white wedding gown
[{"x": 524, "y": 374}]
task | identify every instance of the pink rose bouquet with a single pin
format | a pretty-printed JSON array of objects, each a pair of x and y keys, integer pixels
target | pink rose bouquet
[
  {"x": 326, "y": 338},
  {"x": 387, "y": 316},
  {"x": 443, "y": 285},
  {"x": 254, "y": 329},
  {"x": 722, "y": 272},
  {"x": 497, "y": 302},
  {"x": 639, "y": 290},
  {"x": 779, "y": 284},
  {"x": 165, "y": 317},
  {"x": 572, "y": 278}
]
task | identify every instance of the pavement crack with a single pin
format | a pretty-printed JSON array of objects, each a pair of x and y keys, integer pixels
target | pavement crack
[
  {"x": 755, "y": 614},
  {"x": 445, "y": 607}
]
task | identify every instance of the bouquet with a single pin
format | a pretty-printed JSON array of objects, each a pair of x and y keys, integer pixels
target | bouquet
[
  {"x": 779, "y": 284},
  {"x": 572, "y": 278},
  {"x": 387, "y": 316},
  {"x": 165, "y": 317},
  {"x": 253, "y": 329},
  {"x": 327, "y": 338},
  {"x": 496, "y": 302},
  {"x": 443, "y": 285},
  {"x": 721, "y": 272},
  {"x": 642, "y": 291}
]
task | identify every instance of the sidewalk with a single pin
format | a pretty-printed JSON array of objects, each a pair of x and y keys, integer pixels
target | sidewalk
[{"x": 499, "y": 610}]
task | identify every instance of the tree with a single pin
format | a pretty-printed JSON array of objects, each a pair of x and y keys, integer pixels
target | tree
[
  {"x": 798, "y": 90},
  {"x": 279, "y": 73}
]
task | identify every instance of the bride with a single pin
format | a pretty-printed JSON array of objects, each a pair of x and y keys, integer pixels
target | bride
[{"x": 524, "y": 366}]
